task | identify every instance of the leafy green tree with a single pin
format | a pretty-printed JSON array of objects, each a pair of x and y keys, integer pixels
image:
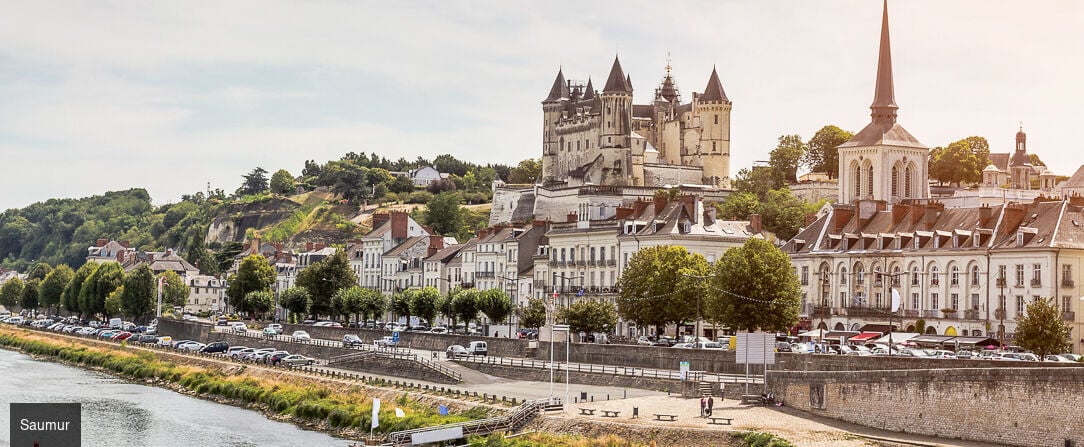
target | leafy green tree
[
  {"x": 449, "y": 164},
  {"x": 255, "y": 182},
  {"x": 823, "y": 153},
  {"x": 113, "y": 302},
  {"x": 758, "y": 180},
  {"x": 958, "y": 163},
  {"x": 105, "y": 279},
  {"x": 526, "y": 172},
  {"x": 424, "y": 303},
  {"x": 254, "y": 274},
  {"x": 739, "y": 206},
  {"x": 197, "y": 255},
  {"x": 29, "y": 300},
  {"x": 784, "y": 213},
  {"x": 445, "y": 305},
  {"x": 533, "y": 314},
  {"x": 324, "y": 278},
  {"x": 260, "y": 302},
  {"x": 52, "y": 288},
  {"x": 282, "y": 182},
  {"x": 754, "y": 287},
  {"x": 349, "y": 301},
  {"x": 662, "y": 285},
  {"x": 139, "y": 299},
  {"x": 590, "y": 316},
  {"x": 402, "y": 184},
  {"x": 296, "y": 300},
  {"x": 400, "y": 304},
  {"x": 174, "y": 291},
  {"x": 465, "y": 305},
  {"x": 1041, "y": 329},
  {"x": 346, "y": 179},
  {"x": 39, "y": 271},
  {"x": 495, "y": 304},
  {"x": 1032, "y": 157},
  {"x": 444, "y": 214},
  {"x": 71, "y": 291},
  {"x": 786, "y": 157},
  {"x": 11, "y": 293},
  {"x": 373, "y": 304}
]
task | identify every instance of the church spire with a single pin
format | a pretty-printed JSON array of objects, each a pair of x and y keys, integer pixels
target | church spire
[
  {"x": 884, "y": 97},
  {"x": 559, "y": 91}
]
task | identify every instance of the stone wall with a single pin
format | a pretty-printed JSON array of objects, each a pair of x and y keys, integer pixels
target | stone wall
[
  {"x": 1013, "y": 406},
  {"x": 503, "y": 347}
]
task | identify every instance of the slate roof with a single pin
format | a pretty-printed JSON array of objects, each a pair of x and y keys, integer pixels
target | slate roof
[{"x": 714, "y": 91}]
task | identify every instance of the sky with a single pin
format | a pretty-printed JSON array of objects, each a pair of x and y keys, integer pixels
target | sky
[{"x": 170, "y": 96}]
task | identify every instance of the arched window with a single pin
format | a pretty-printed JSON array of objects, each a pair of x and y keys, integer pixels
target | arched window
[
  {"x": 859, "y": 275},
  {"x": 955, "y": 278},
  {"x": 896, "y": 276},
  {"x": 857, "y": 181},
  {"x": 869, "y": 180},
  {"x": 907, "y": 183},
  {"x": 974, "y": 275},
  {"x": 843, "y": 275},
  {"x": 935, "y": 276},
  {"x": 895, "y": 182},
  {"x": 914, "y": 276}
]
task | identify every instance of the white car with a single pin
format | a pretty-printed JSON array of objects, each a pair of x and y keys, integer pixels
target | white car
[
  {"x": 239, "y": 328},
  {"x": 192, "y": 346},
  {"x": 301, "y": 336},
  {"x": 275, "y": 327},
  {"x": 439, "y": 330}
]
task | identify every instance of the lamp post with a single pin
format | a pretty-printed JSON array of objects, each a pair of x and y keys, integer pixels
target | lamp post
[
  {"x": 515, "y": 300},
  {"x": 551, "y": 317}
]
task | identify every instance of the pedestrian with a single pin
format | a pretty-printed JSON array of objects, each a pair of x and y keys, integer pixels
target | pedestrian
[
  {"x": 711, "y": 402},
  {"x": 702, "y": 404}
]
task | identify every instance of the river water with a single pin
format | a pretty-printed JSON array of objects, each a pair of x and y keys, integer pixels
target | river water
[{"x": 120, "y": 413}]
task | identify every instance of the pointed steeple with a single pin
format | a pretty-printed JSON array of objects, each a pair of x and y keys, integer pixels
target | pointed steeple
[
  {"x": 559, "y": 91},
  {"x": 884, "y": 96},
  {"x": 617, "y": 82},
  {"x": 714, "y": 90},
  {"x": 628, "y": 82},
  {"x": 589, "y": 91}
]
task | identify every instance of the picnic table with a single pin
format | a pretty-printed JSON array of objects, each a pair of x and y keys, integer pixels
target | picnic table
[
  {"x": 610, "y": 413},
  {"x": 669, "y": 417},
  {"x": 588, "y": 411},
  {"x": 718, "y": 420}
]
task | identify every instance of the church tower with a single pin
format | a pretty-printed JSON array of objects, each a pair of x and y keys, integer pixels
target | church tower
[
  {"x": 714, "y": 112},
  {"x": 552, "y": 108},
  {"x": 1020, "y": 164},
  {"x": 883, "y": 161}
]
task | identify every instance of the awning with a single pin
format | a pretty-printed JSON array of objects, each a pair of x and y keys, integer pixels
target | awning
[
  {"x": 931, "y": 339},
  {"x": 865, "y": 336},
  {"x": 813, "y": 334},
  {"x": 897, "y": 337},
  {"x": 976, "y": 341},
  {"x": 834, "y": 335}
]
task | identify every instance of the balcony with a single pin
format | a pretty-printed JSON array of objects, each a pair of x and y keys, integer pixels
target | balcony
[
  {"x": 611, "y": 262},
  {"x": 821, "y": 312},
  {"x": 485, "y": 274},
  {"x": 1001, "y": 282},
  {"x": 972, "y": 314},
  {"x": 867, "y": 312},
  {"x": 1068, "y": 316},
  {"x": 999, "y": 314},
  {"x": 1036, "y": 282},
  {"x": 1066, "y": 282},
  {"x": 910, "y": 313},
  {"x": 931, "y": 314}
]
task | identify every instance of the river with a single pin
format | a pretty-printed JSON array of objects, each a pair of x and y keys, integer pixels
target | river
[{"x": 120, "y": 413}]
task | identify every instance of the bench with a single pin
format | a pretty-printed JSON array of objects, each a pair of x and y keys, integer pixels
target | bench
[
  {"x": 747, "y": 398},
  {"x": 670, "y": 417},
  {"x": 715, "y": 420},
  {"x": 610, "y": 413},
  {"x": 587, "y": 411}
]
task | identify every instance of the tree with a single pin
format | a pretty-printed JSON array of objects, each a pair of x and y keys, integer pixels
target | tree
[
  {"x": 39, "y": 271},
  {"x": 739, "y": 206},
  {"x": 138, "y": 298},
  {"x": 105, "y": 279},
  {"x": 662, "y": 285},
  {"x": 784, "y": 213},
  {"x": 197, "y": 255},
  {"x": 1041, "y": 329},
  {"x": 282, "y": 182},
  {"x": 590, "y": 316},
  {"x": 465, "y": 305},
  {"x": 254, "y": 182},
  {"x": 754, "y": 287},
  {"x": 373, "y": 304},
  {"x": 449, "y": 164},
  {"x": 113, "y": 302},
  {"x": 533, "y": 315},
  {"x": 957, "y": 163},
  {"x": 526, "y": 172},
  {"x": 254, "y": 274},
  {"x": 442, "y": 185},
  {"x": 443, "y": 213},
  {"x": 346, "y": 179},
  {"x": 786, "y": 157},
  {"x": 260, "y": 302},
  {"x": 11, "y": 294},
  {"x": 400, "y": 304},
  {"x": 52, "y": 288},
  {"x": 29, "y": 300},
  {"x": 324, "y": 278},
  {"x": 823, "y": 150},
  {"x": 758, "y": 181},
  {"x": 424, "y": 303},
  {"x": 71, "y": 292},
  {"x": 349, "y": 301},
  {"x": 296, "y": 300},
  {"x": 174, "y": 290},
  {"x": 495, "y": 304},
  {"x": 401, "y": 184},
  {"x": 1033, "y": 158}
]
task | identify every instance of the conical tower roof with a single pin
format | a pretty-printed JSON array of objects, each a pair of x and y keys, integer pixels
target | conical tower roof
[
  {"x": 617, "y": 81},
  {"x": 559, "y": 91},
  {"x": 714, "y": 91},
  {"x": 589, "y": 91}
]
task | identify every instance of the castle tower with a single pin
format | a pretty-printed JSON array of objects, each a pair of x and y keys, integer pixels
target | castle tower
[
  {"x": 616, "y": 109},
  {"x": 883, "y": 161},
  {"x": 714, "y": 112},
  {"x": 552, "y": 108},
  {"x": 1020, "y": 164}
]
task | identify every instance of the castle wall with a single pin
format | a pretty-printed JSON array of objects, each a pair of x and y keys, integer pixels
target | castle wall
[{"x": 672, "y": 175}]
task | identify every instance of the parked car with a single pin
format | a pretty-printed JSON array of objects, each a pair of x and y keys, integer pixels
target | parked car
[
  {"x": 527, "y": 334},
  {"x": 259, "y": 354},
  {"x": 268, "y": 332},
  {"x": 147, "y": 339},
  {"x": 308, "y": 322},
  {"x": 478, "y": 348},
  {"x": 351, "y": 340},
  {"x": 166, "y": 341},
  {"x": 194, "y": 346},
  {"x": 296, "y": 360},
  {"x": 240, "y": 353},
  {"x": 1070, "y": 357},
  {"x": 385, "y": 342},
  {"x": 328, "y": 324},
  {"x": 682, "y": 346},
  {"x": 122, "y": 336},
  {"x": 275, "y": 327},
  {"x": 454, "y": 351},
  {"x": 439, "y": 330},
  {"x": 301, "y": 336},
  {"x": 222, "y": 321},
  {"x": 1055, "y": 358},
  {"x": 239, "y": 327},
  {"x": 274, "y": 357},
  {"x": 218, "y": 346},
  {"x": 418, "y": 328}
]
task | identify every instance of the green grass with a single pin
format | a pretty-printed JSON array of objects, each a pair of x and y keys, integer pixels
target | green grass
[{"x": 761, "y": 439}]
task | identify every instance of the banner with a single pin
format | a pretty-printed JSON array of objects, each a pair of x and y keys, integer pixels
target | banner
[
  {"x": 376, "y": 413},
  {"x": 399, "y": 413}
]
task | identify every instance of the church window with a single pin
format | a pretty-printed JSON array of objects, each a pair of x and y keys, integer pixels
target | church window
[
  {"x": 869, "y": 180},
  {"x": 857, "y": 181},
  {"x": 907, "y": 182},
  {"x": 895, "y": 182}
]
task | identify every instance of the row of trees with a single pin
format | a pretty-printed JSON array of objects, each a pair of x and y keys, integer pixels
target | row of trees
[{"x": 96, "y": 289}]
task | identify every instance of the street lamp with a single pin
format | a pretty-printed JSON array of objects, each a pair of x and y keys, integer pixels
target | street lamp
[{"x": 515, "y": 299}]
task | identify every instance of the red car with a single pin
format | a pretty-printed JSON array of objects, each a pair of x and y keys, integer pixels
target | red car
[{"x": 122, "y": 336}]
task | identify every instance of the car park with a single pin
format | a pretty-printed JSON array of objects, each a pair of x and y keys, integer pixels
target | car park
[
  {"x": 259, "y": 354},
  {"x": 351, "y": 340},
  {"x": 301, "y": 336},
  {"x": 147, "y": 339},
  {"x": 454, "y": 351},
  {"x": 273, "y": 358},
  {"x": 239, "y": 353},
  {"x": 296, "y": 360}
]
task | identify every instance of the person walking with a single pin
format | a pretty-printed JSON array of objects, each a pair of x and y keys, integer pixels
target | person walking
[
  {"x": 702, "y": 403},
  {"x": 711, "y": 402}
]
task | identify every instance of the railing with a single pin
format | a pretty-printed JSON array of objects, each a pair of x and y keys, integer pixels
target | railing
[
  {"x": 599, "y": 369},
  {"x": 611, "y": 262},
  {"x": 930, "y": 314},
  {"x": 1068, "y": 316},
  {"x": 868, "y": 311},
  {"x": 485, "y": 274},
  {"x": 509, "y": 422},
  {"x": 971, "y": 314},
  {"x": 910, "y": 313},
  {"x": 1066, "y": 282},
  {"x": 1036, "y": 282}
]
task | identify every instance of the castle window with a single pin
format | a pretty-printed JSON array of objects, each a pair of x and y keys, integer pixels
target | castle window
[
  {"x": 716, "y": 119},
  {"x": 713, "y": 149}
]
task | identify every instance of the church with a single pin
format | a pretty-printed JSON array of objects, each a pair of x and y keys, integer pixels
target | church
[{"x": 602, "y": 138}]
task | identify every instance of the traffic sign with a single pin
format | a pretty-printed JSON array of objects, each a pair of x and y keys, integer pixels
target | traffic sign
[
  {"x": 395, "y": 336},
  {"x": 560, "y": 328}
]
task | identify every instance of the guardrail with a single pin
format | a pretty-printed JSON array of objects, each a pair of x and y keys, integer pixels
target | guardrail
[
  {"x": 509, "y": 422},
  {"x": 604, "y": 369}
]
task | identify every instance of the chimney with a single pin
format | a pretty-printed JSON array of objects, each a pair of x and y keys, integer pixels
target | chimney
[
  {"x": 810, "y": 218},
  {"x": 1014, "y": 215},
  {"x": 660, "y": 203},
  {"x": 623, "y": 213},
  {"x": 124, "y": 244},
  {"x": 840, "y": 216},
  {"x": 101, "y": 242},
  {"x": 308, "y": 246},
  {"x": 917, "y": 213},
  {"x": 120, "y": 256},
  {"x": 571, "y": 217},
  {"x": 1076, "y": 200},
  {"x": 867, "y": 210},
  {"x": 638, "y": 207},
  {"x": 899, "y": 211},
  {"x": 709, "y": 214},
  {"x": 540, "y": 223},
  {"x": 933, "y": 210},
  {"x": 254, "y": 245},
  {"x": 754, "y": 224},
  {"x": 379, "y": 219},
  {"x": 436, "y": 243},
  {"x": 985, "y": 212},
  {"x": 399, "y": 224},
  {"x": 319, "y": 246}
]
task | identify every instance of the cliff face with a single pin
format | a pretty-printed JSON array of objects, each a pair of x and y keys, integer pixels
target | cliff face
[{"x": 234, "y": 220}]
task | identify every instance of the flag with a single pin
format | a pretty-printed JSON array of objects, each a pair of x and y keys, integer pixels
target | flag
[
  {"x": 376, "y": 413},
  {"x": 399, "y": 413},
  {"x": 580, "y": 293},
  {"x": 443, "y": 410}
]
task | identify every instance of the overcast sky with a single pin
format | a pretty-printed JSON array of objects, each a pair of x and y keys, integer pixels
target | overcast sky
[{"x": 100, "y": 96}]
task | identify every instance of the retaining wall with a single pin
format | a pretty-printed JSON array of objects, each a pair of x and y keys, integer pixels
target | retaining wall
[
  {"x": 1013, "y": 406},
  {"x": 503, "y": 347}
]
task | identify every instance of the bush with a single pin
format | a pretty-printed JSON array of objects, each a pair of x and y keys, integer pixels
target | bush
[{"x": 419, "y": 197}]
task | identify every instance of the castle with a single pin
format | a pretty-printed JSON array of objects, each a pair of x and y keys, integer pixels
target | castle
[{"x": 602, "y": 138}]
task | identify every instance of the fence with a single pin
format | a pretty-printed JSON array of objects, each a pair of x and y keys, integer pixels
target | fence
[
  {"x": 698, "y": 376},
  {"x": 509, "y": 422}
]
